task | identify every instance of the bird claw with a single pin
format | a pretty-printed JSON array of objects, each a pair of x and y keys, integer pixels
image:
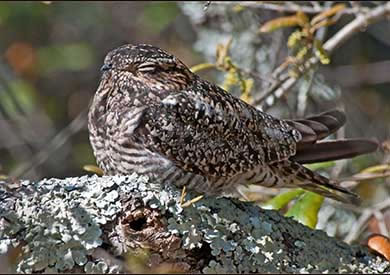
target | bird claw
[{"x": 190, "y": 202}]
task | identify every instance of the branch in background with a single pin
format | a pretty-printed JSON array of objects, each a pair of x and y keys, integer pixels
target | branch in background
[
  {"x": 21, "y": 147},
  {"x": 60, "y": 139},
  {"x": 356, "y": 25},
  {"x": 292, "y": 7},
  {"x": 366, "y": 214}
]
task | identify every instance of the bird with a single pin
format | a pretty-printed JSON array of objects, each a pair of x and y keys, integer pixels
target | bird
[{"x": 151, "y": 115}]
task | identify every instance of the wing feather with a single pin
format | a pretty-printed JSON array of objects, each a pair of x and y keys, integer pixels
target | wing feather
[{"x": 215, "y": 134}]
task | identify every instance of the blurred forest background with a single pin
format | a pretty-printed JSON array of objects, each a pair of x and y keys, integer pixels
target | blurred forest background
[{"x": 51, "y": 53}]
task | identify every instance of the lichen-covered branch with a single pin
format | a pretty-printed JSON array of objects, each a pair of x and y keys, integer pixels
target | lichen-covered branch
[{"x": 90, "y": 224}]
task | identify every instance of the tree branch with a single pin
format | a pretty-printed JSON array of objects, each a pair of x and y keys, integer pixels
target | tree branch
[
  {"x": 292, "y": 7},
  {"x": 90, "y": 224},
  {"x": 54, "y": 144},
  {"x": 356, "y": 25}
]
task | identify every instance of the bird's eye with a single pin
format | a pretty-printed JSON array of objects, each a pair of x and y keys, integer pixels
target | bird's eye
[
  {"x": 153, "y": 67},
  {"x": 147, "y": 67}
]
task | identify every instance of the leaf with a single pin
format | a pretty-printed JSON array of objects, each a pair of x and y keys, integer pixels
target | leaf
[
  {"x": 320, "y": 165},
  {"x": 93, "y": 169},
  {"x": 282, "y": 200},
  {"x": 246, "y": 86},
  {"x": 320, "y": 52},
  {"x": 376, "y": 169},
  {"x": 328, "y": 13},
  {"x": 238, "y": 8},
  {"x": 222, "y": 52},
  {"x": 305, "y": 209},
  {"x": 295, "y": 38},
  {"x": 136, "y": 260},
  {"x": 230, "y": 80},
  {"x": 201, "y": 67},
  {"x": 302, "y": 53},
  {"x": 299, "y": 19}
]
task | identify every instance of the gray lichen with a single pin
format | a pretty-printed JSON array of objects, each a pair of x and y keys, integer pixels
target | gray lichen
[{"x": 60, "y": 224}]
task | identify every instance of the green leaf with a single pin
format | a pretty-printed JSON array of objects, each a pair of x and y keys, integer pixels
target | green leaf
[
  {"x": 93, "y": 169},
  {"x": 320, "y": 52},
  {"x": 295, "y": 38},
  {"x": 320, "y": 165},
  {"x": 281, "y": 200},
  {"x": 305, "y": 210}
]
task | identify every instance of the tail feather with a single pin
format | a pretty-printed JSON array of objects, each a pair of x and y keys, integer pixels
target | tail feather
[
  {"x": 333, "y": 120},
  {"x": 317, "y": 127},
  {"x": 311, "y": 148},
  {"x": 321, "y": 131},
  {"x": 328, "y": 150}
]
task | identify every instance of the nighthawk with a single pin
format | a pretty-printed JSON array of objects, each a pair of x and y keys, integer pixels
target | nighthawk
[{"x": 153, "y": 116}]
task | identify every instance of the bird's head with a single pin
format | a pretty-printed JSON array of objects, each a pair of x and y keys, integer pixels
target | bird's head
[{"x": 145, "y": 65}]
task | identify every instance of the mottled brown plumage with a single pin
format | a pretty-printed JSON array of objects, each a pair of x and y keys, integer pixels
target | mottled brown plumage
[{"x": 153, "y": 116}]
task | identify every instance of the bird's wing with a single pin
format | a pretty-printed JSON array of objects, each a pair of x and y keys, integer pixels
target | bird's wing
[{"x": 214, "y": 134}]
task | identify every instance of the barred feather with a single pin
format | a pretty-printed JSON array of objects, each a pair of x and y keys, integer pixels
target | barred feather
[{"x": 153, "y": 116}]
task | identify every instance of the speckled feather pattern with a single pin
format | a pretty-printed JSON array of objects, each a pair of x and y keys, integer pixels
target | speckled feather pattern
[{"x": 153, "y": 116}]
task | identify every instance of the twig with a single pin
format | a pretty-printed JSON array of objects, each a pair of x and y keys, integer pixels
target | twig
[
  {"x": 12, "y": 123},
  {"x": 272, "y": 90},
  {"x": 206, "y": 6},
  {"x": 321, "y": 32},
  {"x": 358, "y": 227},
  {"x": 290, "y": 7},
  {"x": 59, "y": 140},
  {"x": 361, "y": 223},
  {"x": 336, "y": 170},
  {"x": 381, "y": 223}
]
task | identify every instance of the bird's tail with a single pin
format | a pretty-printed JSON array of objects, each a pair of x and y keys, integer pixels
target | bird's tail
[
  {"x": 296, "y": 175},
  {"x": 312, "y": 148}
]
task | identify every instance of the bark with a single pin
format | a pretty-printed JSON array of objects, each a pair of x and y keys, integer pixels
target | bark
[{"x": 128, "y": 224}]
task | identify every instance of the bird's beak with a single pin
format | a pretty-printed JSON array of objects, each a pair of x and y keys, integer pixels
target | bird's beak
[{"x": 106, "y": 67}]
